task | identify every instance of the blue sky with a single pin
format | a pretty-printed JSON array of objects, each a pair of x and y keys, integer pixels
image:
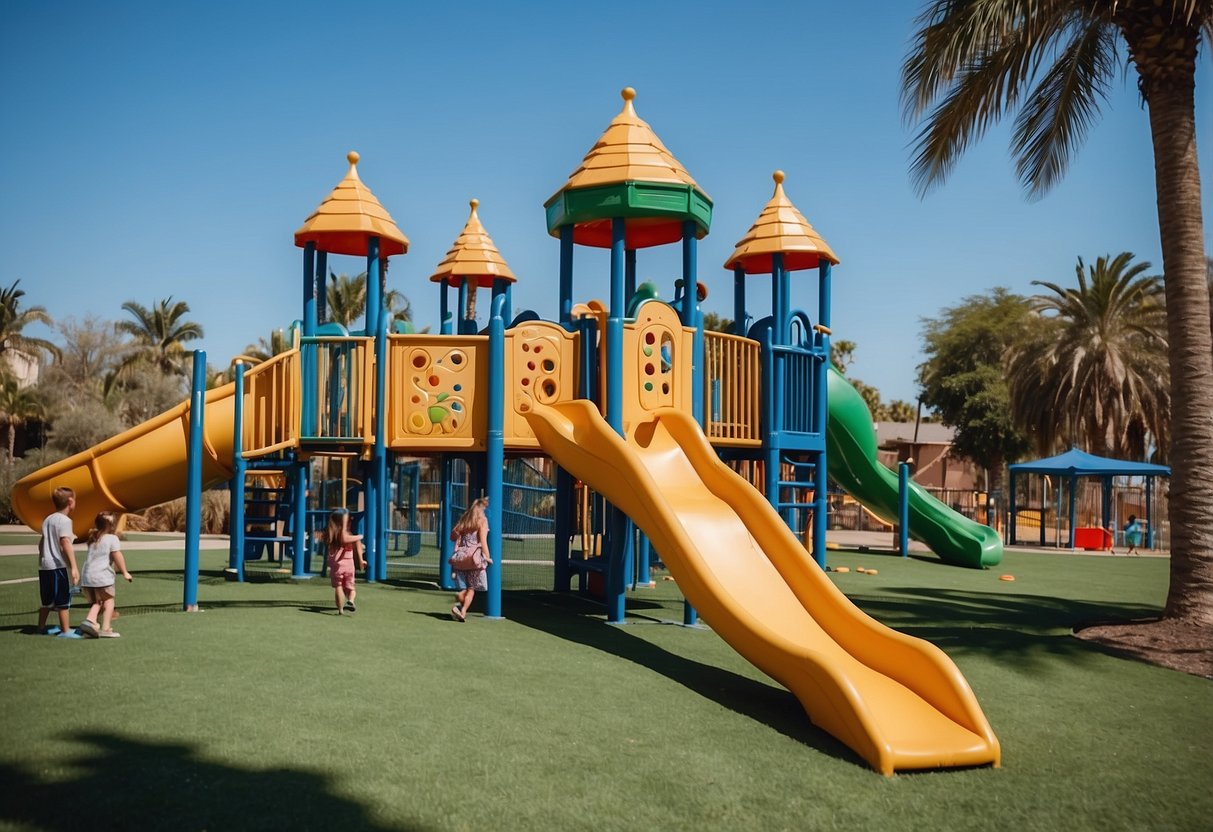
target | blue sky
[{"x": 154, "y": 149}]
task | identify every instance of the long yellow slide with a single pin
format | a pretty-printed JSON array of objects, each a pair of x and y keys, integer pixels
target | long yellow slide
[
  {"x": 898, "y": 701},
  {"x": 138, "y": 468}
]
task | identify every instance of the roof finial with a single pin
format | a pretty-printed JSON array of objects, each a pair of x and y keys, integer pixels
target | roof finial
[
  {"x": 353, "y": 157},
  {"x": 778, "y": 177},
  {"x": 628, "y": 94},
  {"x": 474, "y": 203}
]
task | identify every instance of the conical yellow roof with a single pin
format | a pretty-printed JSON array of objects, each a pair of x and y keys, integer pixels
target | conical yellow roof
[
  {"x": 350, "y": 215},
  {"x": 473, "y": 255},
  {"x": 629, "y": 151},
  {"x": 780, "y": 228}
]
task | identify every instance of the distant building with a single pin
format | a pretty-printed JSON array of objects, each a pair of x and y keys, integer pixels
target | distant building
[{"x": 931, "y": 450}]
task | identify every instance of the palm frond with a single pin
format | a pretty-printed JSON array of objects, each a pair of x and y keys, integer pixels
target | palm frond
[{"x": 1064, "y": 106}]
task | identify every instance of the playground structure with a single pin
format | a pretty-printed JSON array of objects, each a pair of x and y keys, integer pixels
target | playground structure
[{"x": 631, "y": 397}]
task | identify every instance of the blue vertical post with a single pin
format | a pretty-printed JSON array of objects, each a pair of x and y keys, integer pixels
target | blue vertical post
[
  {"x": 903, "y": 509},
  {"x": 461, "y": 326},
  {"x": 1011, "y": 506},
  {"x": 690, "y": 293},
  {"x": 379, "y": 454},
  {"x": 444, "y": 309},
  {"x": 619, "y": 548},
  {"x": 1149, "y": 512},
  {"x": 1106, "y": 507},
  {"x": 494, "y": 451},
  {"x": 446, "y": 521},
  {"x": 239, "y": 472},
  {"x": 566, "y": 274},
  {"x": 821, "y": 477},
  {"x": 739, "y": 312},
  {"x": 298, "y": 474},
  {"x": 193, "y": 482},
  {"x": 309, "y": 288},
  {"x": 308, "y": 352},
  {"x": 371, "y": 487},
  {"x": 322, "y": 292},
  {"x": 501, "y": 289},
  {"x": 381, "y": 475},
  {"x": 1073, "y": 508},
  {"x": 562, "y": 575}
]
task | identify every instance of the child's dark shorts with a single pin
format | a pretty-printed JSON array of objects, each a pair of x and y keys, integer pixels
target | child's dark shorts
[{"x": 55, "y": 588}]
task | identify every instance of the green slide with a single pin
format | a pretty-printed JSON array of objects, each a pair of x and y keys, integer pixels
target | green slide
[{"x": 851, "y": 450}]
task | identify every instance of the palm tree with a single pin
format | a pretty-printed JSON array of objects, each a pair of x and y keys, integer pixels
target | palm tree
[
  {"x": 973, "y": 60},
  {"x": 346, "y": 300},
  {"x": 18, "y": 405},
  {"x": 159, "y": 336},
  {"x": 14, "y": 319},
  {"x": 1096, "y": 374},
  {"x": 264, "y": 349}
]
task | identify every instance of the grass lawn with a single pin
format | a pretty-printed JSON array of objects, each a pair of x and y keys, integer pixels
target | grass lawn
[{"x": 268, "y": 711}]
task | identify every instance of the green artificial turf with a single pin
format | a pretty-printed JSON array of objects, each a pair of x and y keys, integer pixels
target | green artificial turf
[{"x": 266, "y": 710}]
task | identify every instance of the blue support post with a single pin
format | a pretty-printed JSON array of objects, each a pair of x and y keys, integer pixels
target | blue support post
[
  {"x": 644, "y": 552},
  {"x": 381, "y": 475},
  {"x": 445, "y": 522},
  {"x": 309, "y": 393},
  {"x": 373, "y": 490},
  {"x": 379, "y": 454},
  {"x": 566, "y": 274},
  {"x": 501, "y": 290},
  {"x": 461, "y": 325},
  {"x": 237, "y": 488},
  {"x": 903, "y": 509},
  {"x": 444, "y": 310},
  {"x": 494, "y": 451},
  {"x": 1011, "y": 505},
  {"x": 821, "y": 416},
  {"x": 1149, "y": 512},
  {"x": 193, "y": 482},
  {"x": 562, "y": 576},
  {"x": 1073, "y": 507},
  {"x": 322, "y": 293},
  {"x": 309, "y": 289},
  {"x": 739, "y": 312},
  {"x": 618, "y": 547},
  {"x": 690, "y": 288},
  {"x": 302, "y": 544}
]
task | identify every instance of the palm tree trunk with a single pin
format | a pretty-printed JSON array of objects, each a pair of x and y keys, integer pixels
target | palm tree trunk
[{"x": 1190, "y": 354}]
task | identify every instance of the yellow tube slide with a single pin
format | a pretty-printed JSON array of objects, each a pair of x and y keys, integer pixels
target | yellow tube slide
[
  {"x": 138, "y": 468},
  {"x": 898, "y": 701}
]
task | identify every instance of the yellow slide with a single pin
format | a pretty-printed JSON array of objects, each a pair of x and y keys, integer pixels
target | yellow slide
[
  {"x": 138, "y": 468},
  {"x": 898, "y": 701}
]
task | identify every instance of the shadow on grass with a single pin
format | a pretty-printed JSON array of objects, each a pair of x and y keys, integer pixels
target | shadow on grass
[
  {"x": 1014, "y": 628},
  {"x": 123, "y": 783},
  {"x": 579, "y": 620}
]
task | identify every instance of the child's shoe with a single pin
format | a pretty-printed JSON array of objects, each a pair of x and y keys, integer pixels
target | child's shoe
[
  {"x": 108, "y": 634},
  {"x": 51, "y": 631},
  {"x": 349, "y": 607},
  {"x": 89, "y": 628},
  {"x": 70, "y": 634}
]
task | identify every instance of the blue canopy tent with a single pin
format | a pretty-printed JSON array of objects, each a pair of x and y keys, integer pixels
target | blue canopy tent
[{"x": 1074, "y": 464}]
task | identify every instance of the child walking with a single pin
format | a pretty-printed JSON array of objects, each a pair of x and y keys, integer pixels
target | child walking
[
  {"x": 1132, "y": 535},
  {"x": 471, "y": 557},
  {"x": 97, "y": 579},
  {"x": 342, "y": 546},
  {"x": 56, "y": 558}
]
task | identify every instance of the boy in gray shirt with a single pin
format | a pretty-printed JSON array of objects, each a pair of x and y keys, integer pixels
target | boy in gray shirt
[{"x": 55, "y": 558}]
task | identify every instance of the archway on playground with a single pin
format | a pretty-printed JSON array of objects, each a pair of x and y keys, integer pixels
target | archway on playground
[{"x": 1074, "y": 465}]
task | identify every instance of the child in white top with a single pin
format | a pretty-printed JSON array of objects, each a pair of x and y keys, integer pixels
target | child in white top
[{"x": 97, "y": 579}]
